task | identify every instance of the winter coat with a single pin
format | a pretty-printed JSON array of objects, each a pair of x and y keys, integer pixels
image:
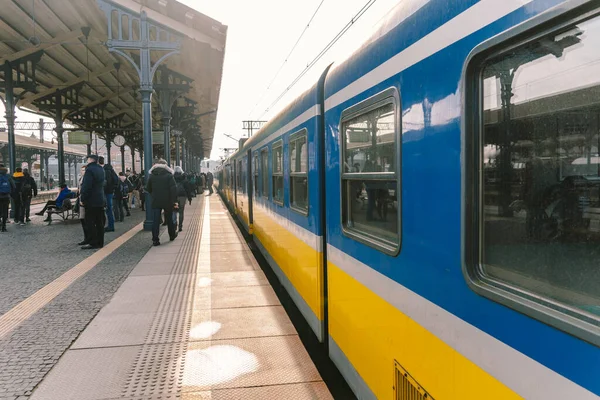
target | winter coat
[
  {"x": 122, "y": 189},
  {"x": 62, "y": 195},
  {"x": 209, "y": 178},
  {"x": 33, "y": 192},
  {"x": 92, "y": 187},
  {"x": 111, "y": 178},
  {"x": 162, "y": 187},
  {"x": 19, "y": 179},
  {"x": 4, "y": 171},
  {"x": 184, "y": 187}
]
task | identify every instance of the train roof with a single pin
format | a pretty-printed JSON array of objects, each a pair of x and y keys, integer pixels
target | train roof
[{"x": 407, "y": 23}]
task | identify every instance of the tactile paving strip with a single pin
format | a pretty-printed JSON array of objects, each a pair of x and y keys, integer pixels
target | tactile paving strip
[{"x": 158, "y": 369}]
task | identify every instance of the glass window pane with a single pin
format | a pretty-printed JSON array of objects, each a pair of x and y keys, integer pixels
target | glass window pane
[
  {"x": 299, "y": 192},
  {"x": 265, "y": 173},
  {"x": 278, "y": 188},
  {"x": 541, "y": 167},
  {"x": 293, "y": 167},
  {"x": 277, "y": 160},
  {"x": 373, "y": 208},
  {"x": 369, "y": 141}
]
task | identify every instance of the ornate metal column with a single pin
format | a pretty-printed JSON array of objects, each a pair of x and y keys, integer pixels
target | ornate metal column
[
  {"x": 54, "y": 104},
  {"x": 177, "y": 133},
  {"x": 144, "y": 45},
  {"x": 24, "y": 70}
]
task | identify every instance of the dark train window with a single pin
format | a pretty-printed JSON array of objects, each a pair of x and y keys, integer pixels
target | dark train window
[
  {"x": 240, "y": 172},
  {"x": 278, "y": 172},
  {"x": 255, "y": 174},
  {"x": 538, "y": 223},
  {"x": 264, "y": 170},
  {"x": 371, "y": 158},
  {"x": 299, "y": 172}
]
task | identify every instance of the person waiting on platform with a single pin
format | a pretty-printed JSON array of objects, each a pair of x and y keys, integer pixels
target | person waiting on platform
[{"x": 64, "y": 193}]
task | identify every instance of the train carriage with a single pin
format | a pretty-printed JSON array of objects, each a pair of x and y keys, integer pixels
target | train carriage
[{"x": 449, "y": 245}]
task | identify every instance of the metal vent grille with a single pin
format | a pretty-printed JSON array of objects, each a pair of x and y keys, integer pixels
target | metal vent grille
[{"x": 406, "y": 387}]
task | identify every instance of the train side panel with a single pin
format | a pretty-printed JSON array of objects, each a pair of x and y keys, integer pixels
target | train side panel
[{"x": 409, "y": 310}]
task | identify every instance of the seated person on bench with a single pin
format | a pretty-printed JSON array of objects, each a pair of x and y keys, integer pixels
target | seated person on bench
[{"x": 64, "y": 193}]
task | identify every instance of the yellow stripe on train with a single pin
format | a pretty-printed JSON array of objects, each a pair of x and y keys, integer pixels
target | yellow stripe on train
[
  {"x": 301, "y": 263},
  {"x": 373, "y": 334}
]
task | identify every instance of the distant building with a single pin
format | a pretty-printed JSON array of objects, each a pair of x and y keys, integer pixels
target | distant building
[{"x": 208, "y": 165}]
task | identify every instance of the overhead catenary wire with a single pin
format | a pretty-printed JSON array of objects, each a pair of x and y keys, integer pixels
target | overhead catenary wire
[
  {"x": 333, "y": 41},
  {"x": 287, "y": 57}
]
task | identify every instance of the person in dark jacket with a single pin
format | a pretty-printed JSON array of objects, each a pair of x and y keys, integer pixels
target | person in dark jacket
[
  {"x": 93, "y": 199},
  {"x": 184, "y": 193},
  {"x": 163, "y": 191},
  {"x": 7, "y": 187},
  {"x": 64, "y": 193},
  {"x": 109, "y": 192},
  {"x": 17, "y": 195},
  {"x": 121, "y": 197},
  {"x": 29, "y": 191},
  {"x": 209, "y": 182}
]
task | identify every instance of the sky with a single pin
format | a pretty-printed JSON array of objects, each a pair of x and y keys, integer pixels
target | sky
[{"x": 261, "y": 34}]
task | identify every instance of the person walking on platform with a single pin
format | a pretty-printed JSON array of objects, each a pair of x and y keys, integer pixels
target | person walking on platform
[
  {"x": 184, "y": 193},
  {"x": 7, "y": 187},
  {"x": 86, "y": 238},
  {"x": 109, "y": 191},
  {"x": 93, "y": 199},
  {"x": 19, "y": 204},
  {"x": 209, "y": 182},
  {"x": 29, "y": 191},
  {"x": 134, "y": 199},
  {"x": 120, "y": 199},
  {"x": 163, "y": 190}
]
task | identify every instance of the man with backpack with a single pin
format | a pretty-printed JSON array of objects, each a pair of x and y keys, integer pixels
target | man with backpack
[
  {"x": 29, "y": 190},
  {"x": 7, "y": 187},
  {"x": 110, "y": 183}
]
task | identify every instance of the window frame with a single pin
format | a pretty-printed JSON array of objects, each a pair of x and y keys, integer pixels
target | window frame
[
  {"x": 390, "y": 95},
  {"x": 264, "y": 170},
  {"x": 277, "y": 145},
  {"x": 294, "y": 137},
  {"x": 533, "y": 304}
]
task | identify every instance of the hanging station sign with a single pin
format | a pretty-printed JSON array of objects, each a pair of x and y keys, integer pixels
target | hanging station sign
[
  {"x": 80, "y": 137},
  {"x": 158, "y": 137}
]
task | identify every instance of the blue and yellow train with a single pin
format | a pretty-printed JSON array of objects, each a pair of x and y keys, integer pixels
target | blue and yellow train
[{"x": 432, "y": 203}]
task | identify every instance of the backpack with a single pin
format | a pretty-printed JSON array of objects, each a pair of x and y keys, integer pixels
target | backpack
[
  {"x": 5, "y": 187},
  {"x": 26, "y": 187},
  {"x": 124, "y": 188}
]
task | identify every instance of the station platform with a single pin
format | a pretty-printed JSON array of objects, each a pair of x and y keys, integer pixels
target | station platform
[{"x": 195, "y": 319}]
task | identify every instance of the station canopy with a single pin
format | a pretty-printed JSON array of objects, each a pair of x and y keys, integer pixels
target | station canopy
[{"x": 68, "y": 41}]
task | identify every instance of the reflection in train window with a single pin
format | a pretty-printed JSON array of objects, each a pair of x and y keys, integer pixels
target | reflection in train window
[
  {"x": 370, "y": 176},
  {"x": 264, "y": 170},
  {"x": 278, "y": 173},
  {"x": 540, "y": 172},
  {"x": 299, "y": 172},
  {"x": 255, "y": 174}
]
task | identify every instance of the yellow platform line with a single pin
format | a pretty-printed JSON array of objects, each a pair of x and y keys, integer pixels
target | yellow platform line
[{"x": 25, "y": 309}]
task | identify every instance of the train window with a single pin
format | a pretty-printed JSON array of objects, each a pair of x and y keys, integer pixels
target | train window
[
  {"x": 537, "y": 223},
  {"x": 370, "y": 146},
  {"x": 255, "y": 174},
  {"x": 299, "y": 172},
  {"x": 240, "y": 188},
  {"x": 278, "y": 173},
  {"x": 264, "y": 170}
]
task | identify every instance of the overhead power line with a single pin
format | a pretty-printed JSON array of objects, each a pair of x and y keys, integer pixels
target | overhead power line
[
  {"x": 288, "y": 56},
  {"x": 322, "y": 53}
]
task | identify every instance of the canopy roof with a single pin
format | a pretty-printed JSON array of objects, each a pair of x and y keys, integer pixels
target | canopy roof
[
  {"x": 34, "y": 143},
  {"x": 74, "y": 55}
]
